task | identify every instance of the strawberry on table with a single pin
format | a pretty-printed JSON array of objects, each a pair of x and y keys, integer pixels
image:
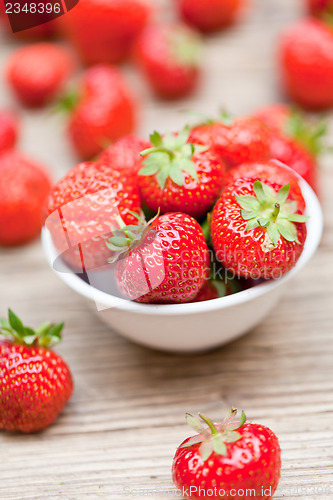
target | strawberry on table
[
  {"x": 306, "y": 63},
  {"x": 209, "y": 15},
  {"x": 24, "y": 187},
  {"x": 169, "y": 57},
  {"x": 9, "y": 124},
  {"x": 257, "y": 231},
  {"x": 164, "y": 261},
  {"x": 103, "y": 31},
  {"x": 227, "y": 459},
  {"x": 124, "y": 155},
  {"x": 81, "y": 208},
  {"x": 35, "y": 383},
  {"x": 102, "y": 111},
  {"x": 38, "y": 72},
  {"x": 180, "y": 176},
  {"x": 239, "y": 141}
]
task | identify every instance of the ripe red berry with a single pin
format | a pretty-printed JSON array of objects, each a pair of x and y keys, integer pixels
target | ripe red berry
[
  {"x": 164, "y": 262},
  {"x": 35, "y": 383},
  {"x": 104, "y": 31},
  {"x": 81, "y": 208},
  {"x": 228, "y": 460},
  {"x": 37, "y": 73},
  {"x": 209, "y": 15},
  {"x": 256, "y": 231},
  {"x": 169, "y": 57},
  {"x": 104, "y": 111},
  {"x": 24, "y": 187},
  {"x": 9, "y": 124},
  {"x": 306, "y": 63},
  {"x": 124, "y": 155},
  {"x": 179, "y": 176},
  {"x": 244, "y": 140}
]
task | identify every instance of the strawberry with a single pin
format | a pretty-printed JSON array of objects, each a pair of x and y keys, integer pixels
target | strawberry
[
  {"x": 37, "y": 73},
  {"x": 81, "y": 208},
  {"x": 24, "y": 187},
  {"x": 216, "y": 289},
  {"x": 35, "y": 383},
  {"x": 102, "y": 111},
  {"x": 9, "y": 124},
  {"x": 166, "y": 261},
  {"x": 256, "y": 232},
  {"x": 104, "y": 31},
  {"x": 229, "y": 460},
  {"x": 179, "y": 176},
  {"x": 266, "y": 171},
  {"x": 169, "y": 57},
  {"x": 244, "y": 140},
  {"x": 39, "y": 32},
  {"x": 209, "y": 15},
  {"x": 320, "y": 8},
  {"x": 306, "y": 63},
  {"x": 124, "y": 155}
]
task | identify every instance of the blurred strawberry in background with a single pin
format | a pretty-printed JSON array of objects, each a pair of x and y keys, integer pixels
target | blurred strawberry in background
[
  {"x": 209, "y": 15},
  {"x": 103, "y": 31},
  {"x": 101, "y": 110},
  {"x": 38, "y": 72},
  {"x": 169, "y": 57},
  {"x": 40, "y": 32},
  {"x": 320, "y": 7},
  {"x": 9, "y": 124}
]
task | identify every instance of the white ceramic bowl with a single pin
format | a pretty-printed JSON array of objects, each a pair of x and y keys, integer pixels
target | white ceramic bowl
[{"x": 193, "y": 327}]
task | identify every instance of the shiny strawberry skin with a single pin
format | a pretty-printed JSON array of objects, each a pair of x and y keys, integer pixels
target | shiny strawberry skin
[
  {"x": 104, "y": 31},
  {"x": 24, "y": 187},
  {"x": 265, "y": 171},
  {"x": 99, "y": 193},
  {"x": 195, "y": 197},
  {"x": 9, "y": 124},
  {"x": 209, "y": 15},
  {"x": 104, "y": 113},
  {"x": 252, "y": 462},
  {"x": 306, "y": 63},
  {"x": 35, "y": 385},
  {"x": 176, "y": 262},
  {"x": 246, "y": 140},
  {"x": 243, "y": 252},
  {"x": 124, "y": 155},
  {"x": 38, "y": 72},
  {"x": 168, "y": 75}
]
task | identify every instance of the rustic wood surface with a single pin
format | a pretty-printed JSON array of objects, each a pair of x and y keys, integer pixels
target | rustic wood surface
[{"x": 118, "y": 433}]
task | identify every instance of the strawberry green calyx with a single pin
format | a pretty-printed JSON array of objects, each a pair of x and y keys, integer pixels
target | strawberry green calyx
[
  {"x": 170, "y": 156},
  {"x": 309, "y": 134},
  {"x": 272, "y": 211},
  {"x": 47, "y": 335},
  {"x": 185, "y": 46},
  {"x": 216, "y": 436},
  {"x": 126, "y": 238}
]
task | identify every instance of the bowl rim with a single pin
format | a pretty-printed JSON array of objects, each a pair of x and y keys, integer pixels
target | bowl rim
[{"x": 108, "y": 301}]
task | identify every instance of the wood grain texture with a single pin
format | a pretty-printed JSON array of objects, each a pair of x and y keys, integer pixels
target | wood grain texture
[{"x": 118, "y": 434}]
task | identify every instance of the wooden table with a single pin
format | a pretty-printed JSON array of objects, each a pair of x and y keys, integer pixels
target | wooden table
[{"x": 118, "y": 434}]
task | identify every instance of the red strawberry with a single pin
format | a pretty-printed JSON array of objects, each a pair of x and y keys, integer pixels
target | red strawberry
[
  {"x": 8, "y": 129},
  {"x": 267, "y": 171},
  {"x": 124, "y": 155},
  {"x": 216, "y": 288},
  {"x": 169, "y": 57},
  {"x": 244, "y": 140},
  {"x": 256, "y": 232},
  {"x": 37, "y": 73},
  {"x": 274, "y": 116},
  {"x": 35, "y": 383},
  {"x": 320, "y": 7},
  {"x": 39, "y": 32},
  {"x": 104, "y": 112},
  {"x": 179, "y": 176},
  {"x": 227, "y": 460},
  {"x": 104, "y": 31},
  {"x": 306, "y": 63},
  {"x": 24, "y": 186},
  {"x": 209, "y": 15},
  {"x": 81, "y": 208},
  {"x": 166, "y": 261}
]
